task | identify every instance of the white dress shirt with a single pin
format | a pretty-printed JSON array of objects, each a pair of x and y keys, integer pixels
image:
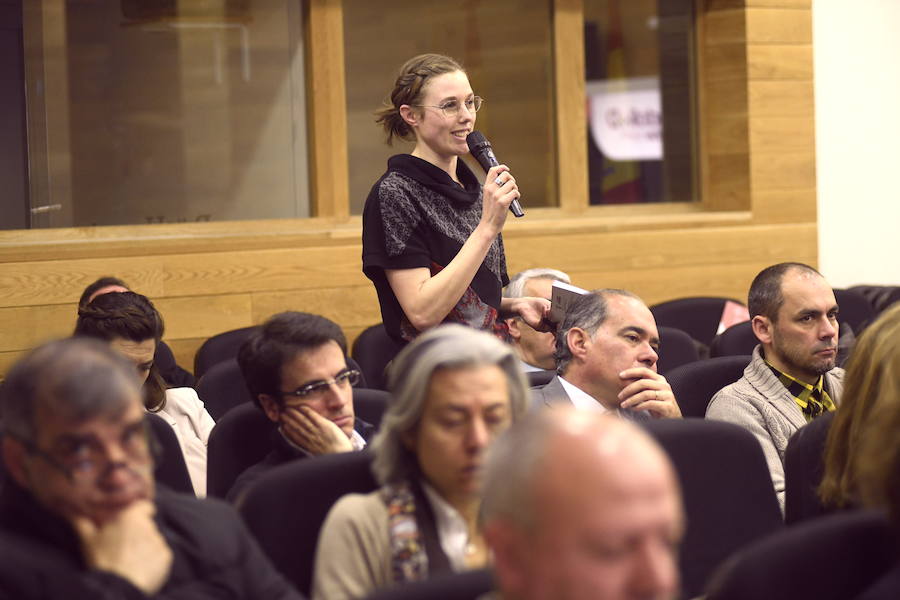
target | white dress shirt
[
  {"x": 581, "y": 399},
  {"x": 452, "y": 530}
]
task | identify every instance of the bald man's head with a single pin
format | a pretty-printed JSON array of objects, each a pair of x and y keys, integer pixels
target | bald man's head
[{"x": 582, "y": 506}]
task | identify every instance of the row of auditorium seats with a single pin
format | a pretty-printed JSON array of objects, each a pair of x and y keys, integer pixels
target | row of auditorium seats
[
  {"x": 728, "y": 497},
  {"x": 700, "y": 316},
  {"x": 727, "y": 492},
  {"x": 688, "y": 331},
  {"x": 861, "y": 547}
]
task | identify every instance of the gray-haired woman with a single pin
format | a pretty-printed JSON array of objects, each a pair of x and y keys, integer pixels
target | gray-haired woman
[{"x": 454, "y": 389}]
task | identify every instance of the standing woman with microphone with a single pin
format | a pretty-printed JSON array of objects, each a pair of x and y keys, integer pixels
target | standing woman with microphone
[{"x": 431, "y": 233}]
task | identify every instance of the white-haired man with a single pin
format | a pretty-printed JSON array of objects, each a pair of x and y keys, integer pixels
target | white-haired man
[{"x": 534, "y": 348}]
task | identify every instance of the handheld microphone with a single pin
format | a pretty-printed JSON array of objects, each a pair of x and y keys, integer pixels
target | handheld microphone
[{"x": 483, "y": 152}]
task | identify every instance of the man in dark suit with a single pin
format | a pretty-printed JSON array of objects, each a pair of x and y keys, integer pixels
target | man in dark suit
[
  {"x": 80, "y": 514},
  {"x": 606, "y": 353},
  {"x": 296, "y": 369}
]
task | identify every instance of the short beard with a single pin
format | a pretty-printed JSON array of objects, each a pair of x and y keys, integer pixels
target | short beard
[{"x": 817, "y": 366}]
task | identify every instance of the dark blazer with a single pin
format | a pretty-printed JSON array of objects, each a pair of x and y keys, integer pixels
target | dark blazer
[
  {"x": 554, "y": 394},
  {"x": 282, "y": 452},
  {"x": 214, "y": 555}
]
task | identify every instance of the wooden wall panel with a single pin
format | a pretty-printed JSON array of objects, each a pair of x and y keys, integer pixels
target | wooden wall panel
[
  {"x": 671, "y": 249},
  {"x": 778, "y": 26},
  {"x": 777, "y": 61},
  {"x": 759, "y": 208},
  {"x": 570, "y": 111},
  {"x": 275, "y": 269},
  {"x": 22, "y": 327},
  {"x": 773, "y": 135},
  {"x": 53, "y": 281},
  {"x": 781, "y": 99},
  {"x": 785, "y": 206},
  {"x": 355, "y": 306}
]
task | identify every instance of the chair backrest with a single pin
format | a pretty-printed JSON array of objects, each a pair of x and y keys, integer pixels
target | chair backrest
[
  {"x": 171, "y": 372},
  {"x": 855, "y": 309},
  {"x": 676, "y": 348},
  {"x": 222, "y": 388},
  {"x": 736, "y": 340},
  {"x": 373, "y": 349},
  {"x": 286, "y": 507},
  {"x": 879, "y": 296},
  {"x": 369, "y": 405},
  {"x": 220, "y": 347},
  {"x": 699, "y": 316},
  {"x": 728, "y": 496},
  {"x": 694, "y": 384},
  {"x": 831, "y": 558},
  {"x": 804, "y": 465},
  {"x": 240, "y": 439},
  {"x": 170, "y": 469},
  {"x": 539, "y": 378},
  {"x": 467, "y": 585}
]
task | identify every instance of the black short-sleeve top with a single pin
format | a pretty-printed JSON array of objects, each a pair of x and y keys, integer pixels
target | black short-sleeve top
[{"x": 417, "y": 216}]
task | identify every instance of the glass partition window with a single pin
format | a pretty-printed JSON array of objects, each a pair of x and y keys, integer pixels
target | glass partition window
[
  {"x": 639, "y": 59},
  {"x": 161, "y": 112},
  {"x": 506, "y": 48}
]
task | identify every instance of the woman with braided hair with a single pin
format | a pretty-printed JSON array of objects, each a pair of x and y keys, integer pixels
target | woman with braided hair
[
  {"x": 431, "y": 232},
  {"x": 132, "y": 326}
]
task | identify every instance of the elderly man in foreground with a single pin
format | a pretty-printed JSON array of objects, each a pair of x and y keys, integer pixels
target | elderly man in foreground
[
  {"x": 581, "y": 506},
  {"x": 80, "y": 516}
]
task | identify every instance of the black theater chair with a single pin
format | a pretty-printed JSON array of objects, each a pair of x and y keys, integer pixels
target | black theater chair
[
  {"x": 804, "y": 466},
  {"x": 286, "y": 508},
  {"x": 694, "y": 384},
  {"x": 240, "y": 439},
  {"x": 220, "y": 347},
  {"x": 373, "y": 349},
  {"x": 369, "y": 405},
  {"x": 855, "y": 309},
  {"x": 737, "y": 340},
  {"x": 699, "y": 316},
  {"x": 222, "y": 388},
  {"x": 676, "y": 348},
  {"x": 729, "y": 500},
  {"x": 832, "y": 558}
]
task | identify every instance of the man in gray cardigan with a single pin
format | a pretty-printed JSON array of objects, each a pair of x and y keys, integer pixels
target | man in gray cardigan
[
  {"x": 606, "y": 353},
  {"x": 791, "y": 378}
]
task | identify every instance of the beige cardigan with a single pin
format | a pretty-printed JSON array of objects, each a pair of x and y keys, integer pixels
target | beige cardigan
[{"x": 353, "y": 557}]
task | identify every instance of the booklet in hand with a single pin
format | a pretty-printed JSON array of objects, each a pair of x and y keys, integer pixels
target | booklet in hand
[{"x": 561, "y": 296}]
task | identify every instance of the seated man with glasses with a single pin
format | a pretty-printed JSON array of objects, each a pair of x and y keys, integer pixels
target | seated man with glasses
[
  {"x": 80, "y": 516},
  {"x": 296, "y": 369}
]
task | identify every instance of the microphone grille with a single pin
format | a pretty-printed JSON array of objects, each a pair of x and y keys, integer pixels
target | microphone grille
[{"x": 475, "y": 140}]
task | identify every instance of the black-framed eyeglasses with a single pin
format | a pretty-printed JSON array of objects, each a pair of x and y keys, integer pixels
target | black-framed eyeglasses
[
  {"x": 343, "y": 379},
  {"x": 451, "y": 108},
  {"x": 85, "y": 460}
]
